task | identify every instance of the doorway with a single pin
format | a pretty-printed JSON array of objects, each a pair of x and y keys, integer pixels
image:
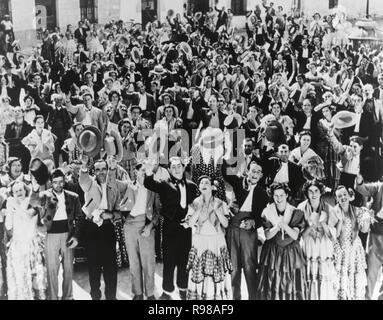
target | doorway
[
  {"x": 5, "y": 9},
  {"x": 149, "y": 11},
  {"x": 199, "y": 5}
]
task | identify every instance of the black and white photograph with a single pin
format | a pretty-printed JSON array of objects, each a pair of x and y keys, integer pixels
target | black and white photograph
[{"x": 196, "y": 150}]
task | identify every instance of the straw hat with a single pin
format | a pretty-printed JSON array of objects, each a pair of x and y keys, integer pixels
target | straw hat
[{"x": 344, "y": 119}]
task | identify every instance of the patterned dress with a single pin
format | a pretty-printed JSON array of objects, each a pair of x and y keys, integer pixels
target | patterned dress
[
  {"x": 350, "y": 259},
  {"x": 209, "y": 263},
  {"x": 318, "y": 247},
  {"x": 328, "y": 155},
  {"x": 26, "y": 272},
  {"x": 213, "y": 170},
  {"x": 69, "y": 49}
]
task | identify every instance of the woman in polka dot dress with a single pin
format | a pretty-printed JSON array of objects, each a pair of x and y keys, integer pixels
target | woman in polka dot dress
[
  {"x": 207, "y": 156},
  {"x": 350, "y": 258}
]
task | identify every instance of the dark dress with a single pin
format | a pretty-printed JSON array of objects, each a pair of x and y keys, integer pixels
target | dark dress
[{"x": 282, "y": 273}]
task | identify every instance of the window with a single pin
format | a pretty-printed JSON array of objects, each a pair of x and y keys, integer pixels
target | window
[
  {"x": 4, "y": 9},
  {"x": 88, "y": 9},
  {"x": 238, "y": 7},
  {"x": 332, "y": 4}
]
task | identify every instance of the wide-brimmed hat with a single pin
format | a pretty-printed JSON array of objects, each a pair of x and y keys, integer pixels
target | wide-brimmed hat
[
  {"x": 113, "y": 145},
  {"x": 212, "y": 138},
  {"x": 344, "y": 119},
  {"x": 159, "y": 69},
  {"x": 39, "y": 170},
  {"x": 86, "y": 93},
  {"x": 184, "y": 46},
  {"x": 135, "y": 53},
  {"x": 233, "y": 121},
  {"x": 90, "y": 140}
]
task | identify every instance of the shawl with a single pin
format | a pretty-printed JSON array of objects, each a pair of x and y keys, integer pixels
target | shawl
[{"x": 271, "y": 214}]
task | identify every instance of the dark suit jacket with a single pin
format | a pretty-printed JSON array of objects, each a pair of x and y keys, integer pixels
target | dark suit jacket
[
  {"x": 263, "y": 105},
  {"x": 81, "y": 38},
  {"x": 10, "y": 134},
  {"x": 206, "y": 120},
  {"x": 296, "y": 179},
  {"x": 47, "y": 201},
  {"x": 170, "y": 195},
  {"x": 14, "y": 93},
  {"x": 260, "y": 198}
]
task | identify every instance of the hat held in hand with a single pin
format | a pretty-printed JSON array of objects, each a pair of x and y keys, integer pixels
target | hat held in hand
[
  {"x": 344, "y": 119},
  {"x": 90, "y": 141},
  {"x": 113, "y": 145},
  {"x": 39, "y": 170}
]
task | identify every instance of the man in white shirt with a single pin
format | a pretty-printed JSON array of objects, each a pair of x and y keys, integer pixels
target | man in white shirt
[
  {"x": 242, "y": 234},
  {"x": 140, "y": 222},
  {"x": 175, "y": 196},
  {"x": 102, "y": 204},
  {"x": 63, "y": 218}
]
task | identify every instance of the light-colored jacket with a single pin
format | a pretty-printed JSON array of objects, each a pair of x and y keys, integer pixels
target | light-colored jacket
[
  {"x": 40, "y": 147},
  {"x": 129, "y": 200},
  {"x": 93, "y": 193}
]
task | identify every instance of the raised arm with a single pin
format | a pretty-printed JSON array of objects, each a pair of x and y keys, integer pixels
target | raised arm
[
  {"x": 85, "y": 180},
  {"x": 367, "y": 189}
]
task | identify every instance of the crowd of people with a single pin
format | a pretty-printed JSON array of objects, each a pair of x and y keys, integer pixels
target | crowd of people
[{"x": 190, "y": 142}]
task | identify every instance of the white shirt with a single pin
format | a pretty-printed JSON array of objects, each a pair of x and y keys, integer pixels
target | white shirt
[
  {"x": 183, "y": 195},
  {"x": 214, "y": 121},
  {"x": 207, "y": 94},
  {"x": 305, "y": 53},
  {"x": 140, "y": 205},
  {"x": 132, "y": 77},
  {"x": 246, "y": 207},
  {"x": 357, "y": 125},
  {"x": 104, "y": 200},
  {"x": 352, "y": 166},
  {"x": 87, "y": 120},
  {"x": 142, "y": 103},
  {"x": 61, "y": 209},
  {"x": 307, "y": 125},
  {"x": 282, "y": 175}
]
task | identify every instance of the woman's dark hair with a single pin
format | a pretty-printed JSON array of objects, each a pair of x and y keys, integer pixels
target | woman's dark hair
[
  {"x": 313, "y": 183},
  {"x": 213, "y": 183},
  {"x": 56, "y": 173},
  {"x": 111, "y": 93},
  {"x": 276, "y": 103},
  {"x": 38, "y": 117},
  {"x": 279, "y": 186},
  {"x": 6, "y": 79},
  {"x": 204, "y": 177},
  {"x": 304, "y": 133}
]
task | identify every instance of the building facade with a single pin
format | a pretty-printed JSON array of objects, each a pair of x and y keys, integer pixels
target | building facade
[{"x": 29, "y": 16}]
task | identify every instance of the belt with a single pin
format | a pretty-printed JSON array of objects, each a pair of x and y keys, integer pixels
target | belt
[
  {"x": 237, "y": 219},
  {"x": 135, "y": 219}
]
